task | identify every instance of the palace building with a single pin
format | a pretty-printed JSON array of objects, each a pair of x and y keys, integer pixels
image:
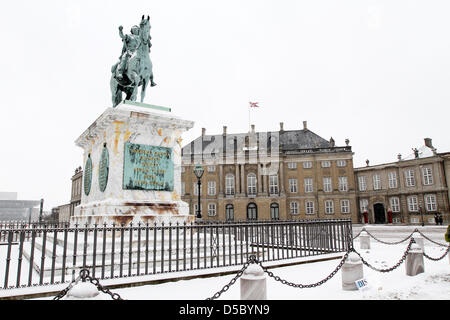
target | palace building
[{"x": 285, "y": 174}]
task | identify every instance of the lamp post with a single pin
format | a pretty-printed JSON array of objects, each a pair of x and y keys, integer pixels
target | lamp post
[
  {"x": 198, "y": 171},
  {"x": 421, "y": 212}
]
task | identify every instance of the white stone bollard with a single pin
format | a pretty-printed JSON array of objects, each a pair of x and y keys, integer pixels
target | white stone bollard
[
  {"x": 419, "y": 241},
  {"x": 414, "y": 261},
  {"x": 364, "y": 240},
  {"x": 352, "y": 270},
  {"x": 253, "y": 283},
  {"x": 82, "y": 291}
]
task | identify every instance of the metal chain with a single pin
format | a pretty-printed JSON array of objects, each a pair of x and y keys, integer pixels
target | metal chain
[
  {"x": 251, "y": 259},
  {"x": 390, "y": 243},
  {"x": 363, "y": 229},
  {"x": 84, "y": 275},
  {"x": 440, "y": 244},
  {"x": 392, "y": 268},
  {"x": 437, "y": 259}
]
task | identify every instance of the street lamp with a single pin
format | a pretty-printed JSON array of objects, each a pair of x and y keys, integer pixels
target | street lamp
[
  {"x": 421, "y": 212},
  {"x": 198, "y": 171}
]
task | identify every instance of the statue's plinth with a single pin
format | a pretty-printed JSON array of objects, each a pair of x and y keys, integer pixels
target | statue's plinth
[{"x": 132, "y": 167}]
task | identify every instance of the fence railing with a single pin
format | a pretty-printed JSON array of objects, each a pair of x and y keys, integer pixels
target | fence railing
[{"x": 41, "y": 254}]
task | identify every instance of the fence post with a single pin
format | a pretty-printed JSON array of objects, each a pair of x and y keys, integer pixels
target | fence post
[
  {"x": 82, "y": 291},
  {"x": 253, "y": 283},
  {"x": 364, "y": 241},
  {"x": 414, "y": 261},
  {"x": 352, "y": 270}
]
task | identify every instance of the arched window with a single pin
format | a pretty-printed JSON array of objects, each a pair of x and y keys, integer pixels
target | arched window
[
  {"x": 229, "y": 184},
  {"x": 252, "y": 211},
  {"x": 274, "y": 211},
  {"x": 251, "y": 184},
  {"x": 229, "y": 212}
]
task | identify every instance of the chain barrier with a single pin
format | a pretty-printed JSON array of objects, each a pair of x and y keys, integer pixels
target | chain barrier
[
  {"x": 437, "y": 259},
  {"x": 439, "y": 244},
  {"x": 390, "y": 243},
  {"x": 84, "y": 275}
]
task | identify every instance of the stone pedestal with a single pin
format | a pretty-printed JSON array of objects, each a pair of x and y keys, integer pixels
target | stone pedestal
[
  {"x": 419, "y": 241},
  {"x": 414, "y": 261},
  {"x": 253, "y": 283},
  {"x": 132, "y": 167},
  {"x": 352, "y": 270},
  {"x": 364, "y": 240}
]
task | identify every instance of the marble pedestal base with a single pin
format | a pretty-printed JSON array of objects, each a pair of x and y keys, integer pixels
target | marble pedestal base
[
  {"x": 352, "y": 270},
  {"x": 414, "y": 261}
]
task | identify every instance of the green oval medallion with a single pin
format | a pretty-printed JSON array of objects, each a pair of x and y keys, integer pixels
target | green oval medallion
[
  {"x": 87, "y": 175},
  {"x": 103, "y": 169}
]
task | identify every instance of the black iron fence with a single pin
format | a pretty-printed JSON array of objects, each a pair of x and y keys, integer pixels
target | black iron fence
[{"x": 50, "y": 254}]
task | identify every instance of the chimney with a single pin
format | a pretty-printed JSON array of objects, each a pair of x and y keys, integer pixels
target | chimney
[
  {"x": 332, "y": 142},
  {"x": 253, "y": 128},
  {"x": 305, "y": 127},
  {"x": 224, "y": 130},
  {"x": 428, "y": 143},
  {"x": 399, "y": 157},
  {"x": 281, "y": 126},
  {"x": 203, "y": 132}
]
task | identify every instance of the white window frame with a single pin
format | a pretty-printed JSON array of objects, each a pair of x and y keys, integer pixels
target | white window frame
[
  {"x": 413, "y": 204},
  {"x": 183, "y": 169},
  {"x": 251, "y": 184},
  {"x": 430, "y": 202},
  {"x": 308, "y": 185},
  {"x": 394, "y": 203},
  {"x": 309, "y": 207},
  {"x": 195, "y": 189},
  {"x": 229, "y": 184},
  {"x": 293, "y": 185},
  {"x": 294, "y": 208},
  {"x": 345, "y": 206},
  {"x": 363, "y": 205},
  {"x": 183, "y": 188},
  {"x": 196, "y": 208},
  {"x": 212, "y": 209},
  {"x": 326, "y": 164},
  {"x": 292, "y": 165},
  {"x": 410, "y": 180},
  {"x": 329, "y": 206},
  {"x": 307, "y": 164},
  {"x": 427, "y": 176},
  {"x": 211, "y": 188},
  {"x": 341, "y": 163},
  {"x": 362, "y": 183},
  {"x": 211, "y": 168},
  {"x": 376, "y": 181},
  {"x": 343, "y": 184},
  {"x": 392, "y": 179},
  {"x": 273, "y": 184},
  {"x": 327, "y": 184}
]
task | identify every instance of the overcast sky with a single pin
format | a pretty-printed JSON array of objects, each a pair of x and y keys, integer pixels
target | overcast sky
[{"x": 375, "y": 72}]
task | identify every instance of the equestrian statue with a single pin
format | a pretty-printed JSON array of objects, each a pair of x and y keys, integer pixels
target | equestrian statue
[{"x": 134, "y": 68}]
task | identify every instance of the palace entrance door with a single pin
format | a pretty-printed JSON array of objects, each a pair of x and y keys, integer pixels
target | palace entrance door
[{"x": 379, "y": 213}]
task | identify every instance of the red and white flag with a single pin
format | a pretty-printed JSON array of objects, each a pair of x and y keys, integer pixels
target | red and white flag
[{"x": 254, "y": 104}]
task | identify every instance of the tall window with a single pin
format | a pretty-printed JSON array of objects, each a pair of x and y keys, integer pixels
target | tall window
[
  {"x": 345, "y": 206},
  {"x": 341, "y": 163},
  {"x": 229, "y": 212},
  {"x": 395, "y": 204},
  {"x": 392, "y": 178},
  {"x": 292, "y": 165},
  {"x": 274, "y": 211},
  {"x": 409, "y": 178},
  {"x": 362, "y": 183},
  {"x": 183, "y": 188},
  {"x": 294, "y": 207},
  {"x": 326, "y": 164},
  {"x": 273, "y": 184},
  {"x": 343, "y": 185},
  {"x": 376, "y": 182},
  {"x": 363, "y": 204},
  {"x": 229, "y": 184},
  {"x": 212, "y": 210},
  {"x": 427, "y": 174},
  {"x": 308, "y": 185},
  {"x": 430, "y": 202},
  {"x": 413, "y": 204},
  {"x": 211, "y": 168},
  {"x": 211, "y": 188},
  {"x": 195, "y": 188},
  {"x": 251, "y": 184},
  {"x": 329, "y": 207},
  {"x": 307, "y": 165},
  {"x": 252, "y": 211},
  {"x": 309, "y": 207},
  {"x": 293, "y": 188},
  {"x": 327, "y": 184}
]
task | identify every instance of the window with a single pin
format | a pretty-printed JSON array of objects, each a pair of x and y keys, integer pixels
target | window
[
  {"x": 252, "y": 211},
  {"x": 308, "y": 185},
  {"x": 211, "y": 168},
  {"x": 211, "y": 188},
  {"x": 376, "y": 182},
  {"x": 195, "y": 188},
  {"x": 414, "y": 220},
  {"x": 395, "y": 204},
  {"x": 274, "y": 211},
  {"x": 326, "y": 164},
  {"x": 307, "y": 165},
  {"x": 341, "y": 163},
  {"x": 409, "y": 178},
  {"x": 292, "y": 165},
  {"x": 327, "y": 184},
  {"x": 329, "y": 207},
  {"x": 251, "y": 184},
  {"x": 229, "y": 184},
  {"x": 392, "y": 178},
  {"x": 183, "y": 169},
  {"x": 183, "y": 188},
  {"x": 363, "y": 204},
  {"x": 343, "y": 186},
  {"x": 196, "y": 208},
  {"x": 229, "y": 212},
  {"x": 211, "y": 209},
  {"x": 294, "y": 207},
  {"x": 427, "y": 174},
  {"x": 413, "y": 204},
  {"x": 309, "y": 207},
  {"x": 273, "y": 184},
  {"x": 430, "y": 202},
  {"x": 362, "y": 183},
  {"x": 345, "y": 206},
  {"x": 293, "y": 185}
]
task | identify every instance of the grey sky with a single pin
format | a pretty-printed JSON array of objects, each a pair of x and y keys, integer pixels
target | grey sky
[{"x": 375, "y": 72}]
